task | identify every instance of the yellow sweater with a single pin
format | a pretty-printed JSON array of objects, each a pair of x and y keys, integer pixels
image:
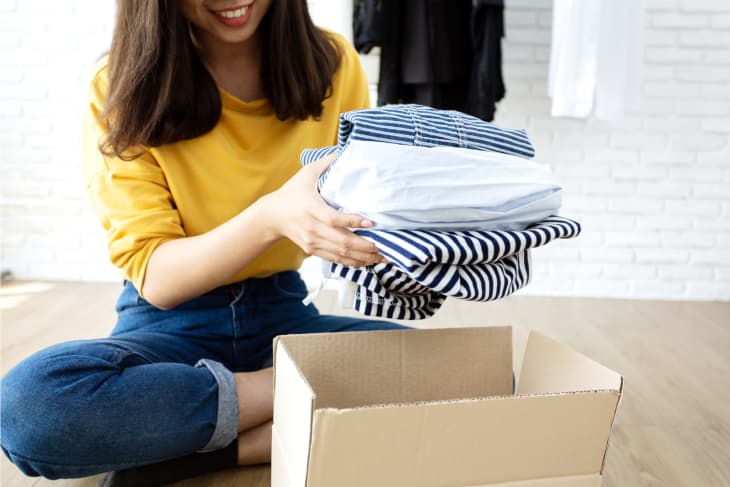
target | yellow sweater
[{"x": 190, "y": 187}]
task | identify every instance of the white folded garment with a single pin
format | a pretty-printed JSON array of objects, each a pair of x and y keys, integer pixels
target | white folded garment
[{"x": 402, "y": 187}]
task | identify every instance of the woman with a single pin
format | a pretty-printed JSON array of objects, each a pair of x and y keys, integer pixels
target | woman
[{"x": 192, "y": 137}]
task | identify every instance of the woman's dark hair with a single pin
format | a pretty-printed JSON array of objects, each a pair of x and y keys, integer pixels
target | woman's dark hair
[{"x": 160, "y": 92}]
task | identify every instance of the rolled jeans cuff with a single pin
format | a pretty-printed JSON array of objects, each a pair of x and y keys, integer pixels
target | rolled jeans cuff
[{"x": 226, "y": 426}]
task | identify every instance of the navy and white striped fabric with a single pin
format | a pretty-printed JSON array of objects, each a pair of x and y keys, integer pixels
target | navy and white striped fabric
[
  {"x": 422, "y": 126},
  {"x": 426, "y": 267}
]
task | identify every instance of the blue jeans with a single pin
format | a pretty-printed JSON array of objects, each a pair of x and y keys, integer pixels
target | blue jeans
[{"x": 161, "y": 386}]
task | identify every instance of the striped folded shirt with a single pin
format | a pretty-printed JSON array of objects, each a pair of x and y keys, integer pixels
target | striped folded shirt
[
  {"x": 426, "y": 267},
  {"x": 422, "y": 126}
]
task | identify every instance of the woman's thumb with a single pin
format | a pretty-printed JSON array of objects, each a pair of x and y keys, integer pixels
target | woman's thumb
[{"x": 321, "y": 165}]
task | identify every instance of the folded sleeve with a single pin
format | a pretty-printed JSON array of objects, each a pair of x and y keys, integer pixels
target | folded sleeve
[{"x": 131, "y": 199}]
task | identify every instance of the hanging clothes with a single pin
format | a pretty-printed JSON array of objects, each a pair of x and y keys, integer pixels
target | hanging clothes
[
  {"x": 444, "y": 54},
  {"x": 595, "y": 57},
  {"x": 486, "y": 85},
  {"x": 435, "y": 53},
  {"x": 376, "y": 23},
  {"x": 367, "y": 28}
]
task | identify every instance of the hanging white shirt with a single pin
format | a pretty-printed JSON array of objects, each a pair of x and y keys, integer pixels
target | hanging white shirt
[{"x": 595, "y": 57}]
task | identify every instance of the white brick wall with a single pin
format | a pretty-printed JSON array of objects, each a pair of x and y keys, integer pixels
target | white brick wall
[
  {"x": 47, "y": 51},
  {"x": 652, "y": 190}
]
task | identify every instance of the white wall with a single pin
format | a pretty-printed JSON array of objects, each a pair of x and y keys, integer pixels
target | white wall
[
  {"x": 47, "y": 51},
  {"x": 652, "y": 191}
]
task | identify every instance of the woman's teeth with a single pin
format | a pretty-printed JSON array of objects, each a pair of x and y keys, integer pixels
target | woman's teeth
[{"x": 232, "y": 14}]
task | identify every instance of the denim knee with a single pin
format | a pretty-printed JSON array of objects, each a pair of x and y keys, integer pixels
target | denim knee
[{"x": 45, "y": 405}]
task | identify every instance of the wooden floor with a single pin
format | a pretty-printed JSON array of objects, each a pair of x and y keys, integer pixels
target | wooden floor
[{"x": 672, "y": 429}]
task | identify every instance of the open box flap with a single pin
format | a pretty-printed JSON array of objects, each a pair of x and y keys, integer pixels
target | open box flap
[
  {"x": 549, "y": 366},
  {"x": 291, "y": 431}
]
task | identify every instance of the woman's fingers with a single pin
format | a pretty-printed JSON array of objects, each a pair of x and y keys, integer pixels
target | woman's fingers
[
  {"x": 343, "y": 246},
  {"x": 338, "y": 259},
  {"x": 348, "y": 245},
  {"x": 329, "y": 216},
  {"x": 338, "y": 219}
]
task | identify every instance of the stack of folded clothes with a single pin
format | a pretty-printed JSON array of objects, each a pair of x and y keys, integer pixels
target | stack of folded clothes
[{"x": 456, "y": 201}]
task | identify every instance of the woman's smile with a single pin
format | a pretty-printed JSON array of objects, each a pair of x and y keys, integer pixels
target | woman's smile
[{"x": 235, "y": 16}]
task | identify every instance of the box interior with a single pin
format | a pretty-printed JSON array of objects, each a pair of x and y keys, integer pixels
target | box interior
[{"x": 347, "y": 370}]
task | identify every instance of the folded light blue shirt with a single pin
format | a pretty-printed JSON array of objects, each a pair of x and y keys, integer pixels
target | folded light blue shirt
[{"x": 414, "y": 167}]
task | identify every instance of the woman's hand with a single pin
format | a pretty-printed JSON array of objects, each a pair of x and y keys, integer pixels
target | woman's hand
[{"x": 299, "y": 213}]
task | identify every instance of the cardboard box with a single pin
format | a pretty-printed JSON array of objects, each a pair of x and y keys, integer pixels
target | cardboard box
[{"x": 435, "y": 408}]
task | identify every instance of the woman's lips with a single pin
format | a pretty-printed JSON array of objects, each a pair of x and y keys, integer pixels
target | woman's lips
[{"x": 234, "y": 16}]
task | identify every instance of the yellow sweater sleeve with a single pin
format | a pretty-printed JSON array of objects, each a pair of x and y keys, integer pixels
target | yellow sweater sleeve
[{"x": 130, "y": 198}]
